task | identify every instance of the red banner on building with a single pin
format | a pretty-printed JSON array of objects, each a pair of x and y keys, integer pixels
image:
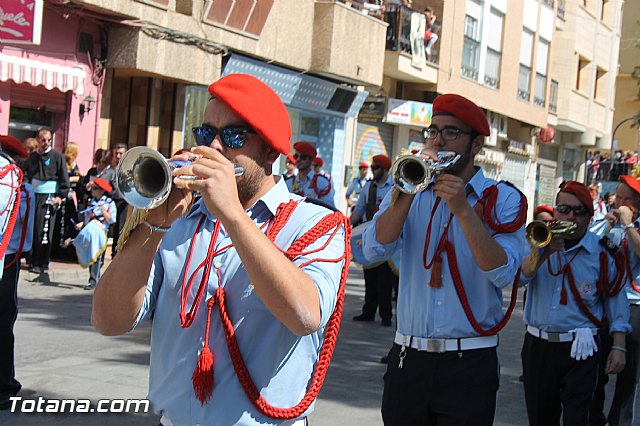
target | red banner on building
[{"x": 21, "y": 21}]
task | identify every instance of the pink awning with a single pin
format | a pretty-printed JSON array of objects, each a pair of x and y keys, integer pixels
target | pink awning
[{"x": 37, "y": 73}]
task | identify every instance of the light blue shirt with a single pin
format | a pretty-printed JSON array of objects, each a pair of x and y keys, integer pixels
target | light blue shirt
[
  {"x": 544, "y": 310},
  {"x": 94, "y": 212},
  {"x": 279, "y": 361},
  {"x": 616, "y": 235},
  {"x": 355, "y": 188},
  {"x": 322, "y": 183},
  {"x": 27, "y": 196},
  {"x": 382, "y": 190},
  {"x": 429, "y": 312}
]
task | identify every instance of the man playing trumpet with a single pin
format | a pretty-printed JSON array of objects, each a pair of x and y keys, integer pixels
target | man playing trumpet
[
  {"x": 462, "y": 241},
  {"x": 574, "y": 290},
  {"x": 230, "y": 283},
  {"x": 621, "y": 227}
]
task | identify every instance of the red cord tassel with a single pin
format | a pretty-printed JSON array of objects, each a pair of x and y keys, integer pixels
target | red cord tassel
[
  {"x": 203, "y": 376},
  {"x": 563, "y": 296},
  {"x": 436, "y": 272}
]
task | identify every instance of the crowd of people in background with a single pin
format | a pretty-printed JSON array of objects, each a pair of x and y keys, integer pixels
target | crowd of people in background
[{"x": 605, "y": 166}]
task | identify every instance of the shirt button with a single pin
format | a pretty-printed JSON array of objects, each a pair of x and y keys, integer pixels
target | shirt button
[
  {"x": 197, "y": 424},
  {"x": 439, "y": 303},
  {"x": 217, "y": 265},
  {"x": 437, "y": 330}
]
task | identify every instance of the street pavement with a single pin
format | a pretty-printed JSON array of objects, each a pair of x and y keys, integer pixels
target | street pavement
[{"x": 60, "y": 355}]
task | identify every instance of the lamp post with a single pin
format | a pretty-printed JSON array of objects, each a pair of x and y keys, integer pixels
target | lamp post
[{"x": 635, "y": 118}]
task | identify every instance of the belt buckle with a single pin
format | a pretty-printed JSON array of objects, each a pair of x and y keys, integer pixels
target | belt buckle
[
  {"x": 436, "y": 345},
  {"x": 554, "y": 337}
]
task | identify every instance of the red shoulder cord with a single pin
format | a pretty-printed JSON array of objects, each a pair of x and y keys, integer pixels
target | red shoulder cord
[
  {"x": 203, "y": 386},
  {"x": 25, "y": 225},
  {"x": 487, "y": 207},
  {"x": 15, "y": 209},
  {"x": 314, "y": 185},
  {"x": 627, "y": 264}
]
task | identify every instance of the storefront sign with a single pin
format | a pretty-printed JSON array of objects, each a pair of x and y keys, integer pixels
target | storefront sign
[
  {"x": 408, "y": 112},
  {"x": 21, "y": 21},
  {"x": 371, "y": 112}
]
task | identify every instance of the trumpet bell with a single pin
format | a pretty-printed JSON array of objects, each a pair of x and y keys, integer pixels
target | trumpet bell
[
  {"x": 538, "y": 234},
  {"x": 144, "y": 178},
  {"x": 411, "y": 174}
]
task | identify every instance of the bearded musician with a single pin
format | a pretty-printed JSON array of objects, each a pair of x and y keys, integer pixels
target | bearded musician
[
  {"x": 574, "y": 289},
  {"x": 465, "y": 234}
]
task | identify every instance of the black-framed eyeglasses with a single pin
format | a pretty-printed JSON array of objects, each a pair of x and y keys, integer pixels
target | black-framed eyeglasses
[
  {"x": 302, "y": 157},
  {"x": 577, "y": 210},
  {"x": 447, "y": 134},
  {"x": 233, "y": 137}
]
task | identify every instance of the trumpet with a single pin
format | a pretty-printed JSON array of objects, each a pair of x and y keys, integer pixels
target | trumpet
[
  {"x": 540, "y": 233},
  {"x": 144, "y": 177},
  {"x": 412, "y": 174}
]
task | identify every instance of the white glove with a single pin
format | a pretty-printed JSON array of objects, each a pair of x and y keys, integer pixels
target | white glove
[{"x": 583, "y": 344}]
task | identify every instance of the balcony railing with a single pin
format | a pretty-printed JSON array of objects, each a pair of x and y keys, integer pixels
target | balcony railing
[
  {"x": 539, "y": 97},
  {"x": 548, "y": 3},
  {"x": 492, "y": 69},
  {"x": 399, "y": 31}
]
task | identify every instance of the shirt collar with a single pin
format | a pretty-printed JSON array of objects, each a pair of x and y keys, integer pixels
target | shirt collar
[
  {"x": 476, "y": 183},
  {"x": 278, "y": 194}
]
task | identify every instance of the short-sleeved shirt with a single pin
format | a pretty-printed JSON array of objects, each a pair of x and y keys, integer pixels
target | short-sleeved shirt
[
  {"x": 424, "y": 311},
  {"x": 355, "y": 187},
  {"x": 280, "y": 362},
  {"x": 315, "y": 186},
  {"x": 93, "y": 211},
  {"x": 544, "y": 310}
]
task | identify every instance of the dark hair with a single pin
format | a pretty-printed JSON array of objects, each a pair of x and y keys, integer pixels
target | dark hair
[
  {"x": 428, "y": 9},
  {"x": 44, "y": 129},
  {"x": 118, "y": 146}
]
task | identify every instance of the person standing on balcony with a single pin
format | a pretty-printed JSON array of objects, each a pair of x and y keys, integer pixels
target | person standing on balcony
[
  {"x": 462, "y": 240},
  {"x": 430, "y": 38}
]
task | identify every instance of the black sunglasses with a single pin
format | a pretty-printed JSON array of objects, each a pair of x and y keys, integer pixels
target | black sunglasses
[
  {"x": 577, "y": 210},
  {"x": 233, "y": 137},
  {"x": 302, "y": 157}
]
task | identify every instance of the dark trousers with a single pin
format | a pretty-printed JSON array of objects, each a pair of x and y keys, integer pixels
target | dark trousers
[
  {"x": 41, "y": 253},
  {"x": 94, "y": 269},
  {"x": 624, "y": 398},
  {"x": 392, "y": 30},
  {"x": 378, "y": 282},
  {"x": 121, "y": 218},
  {"x": 451, "y": 388},
  {"x": 9, "y": 386},
  {"x": 555, "y": 383}
]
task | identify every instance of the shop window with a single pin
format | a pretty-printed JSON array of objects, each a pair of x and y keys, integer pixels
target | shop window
[{"x": 310, "y": 126}]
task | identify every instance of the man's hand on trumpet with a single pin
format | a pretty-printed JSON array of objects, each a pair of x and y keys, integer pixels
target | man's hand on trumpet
[
  {"x": 449, "y": 187},
  {"x": 215, "y": 181},
  {"x": 622, "y": 214},
  {"x": 178, "y": 202}
]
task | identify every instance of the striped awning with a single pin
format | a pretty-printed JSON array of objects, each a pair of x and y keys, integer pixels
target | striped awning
[{"x": 37, "y": 73}]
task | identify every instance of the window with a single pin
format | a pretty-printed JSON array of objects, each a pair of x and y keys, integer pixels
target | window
[
  {"x": 542, "y": 55},
  {"x": 471, "y": 48},
  {"x": 581, "y": 80},
  {"x": 494, "y": 49},
  {"x": 553, "y": 97},
  {"x": 524, "y": 76},
  {"x": 601, "y": 84},
  {"x": 561, "y": 9}
]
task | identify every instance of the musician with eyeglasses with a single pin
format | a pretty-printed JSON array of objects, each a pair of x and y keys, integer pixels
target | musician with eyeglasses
[
  {"x": 462, "y": 242},
  {"x": 574, "y": 290},
  {"x": 620, "y": 225},
  {"x": 245, "y": 287},
  {"x": 308, "y": 183}
]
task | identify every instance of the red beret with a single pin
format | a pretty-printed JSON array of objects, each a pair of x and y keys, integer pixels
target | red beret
[
  {"x": 12, "y": 146},
  {"x": 542, "y": 208},
  {"x": 363, "y": 164},
  {"x": 631, "y": 182},
  {"x": 305, "y": 148},
  {"x": 580, "y": 191},
  {"x": 258, "y": 105},
  {"x": 102, "y": 183},
  {"x": 463, "y": 109},
  {"x": 382, "y": 161},
  {"x": 414, "y": 151},
  {"x": 318, "y": 162},
  {"x": 291, "y": 158}
]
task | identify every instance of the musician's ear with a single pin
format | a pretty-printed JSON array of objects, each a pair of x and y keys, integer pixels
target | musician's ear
[{"x": 476, "y": 143}]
